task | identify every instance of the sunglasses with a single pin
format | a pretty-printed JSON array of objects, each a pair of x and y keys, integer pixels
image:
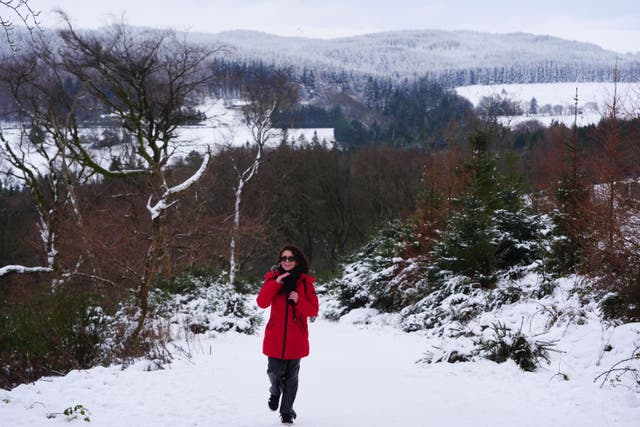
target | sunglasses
[{"x": 287, "y": 258}]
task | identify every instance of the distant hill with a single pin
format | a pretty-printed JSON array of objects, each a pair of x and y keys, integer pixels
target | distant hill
[
  {"x": 452, "y": 58},
  {"x": 393, "y": 86}
]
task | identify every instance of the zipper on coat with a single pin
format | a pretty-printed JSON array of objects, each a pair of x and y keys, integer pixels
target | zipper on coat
[{"x": 286, "y": 318}]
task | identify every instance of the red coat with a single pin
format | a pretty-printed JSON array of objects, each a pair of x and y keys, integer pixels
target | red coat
[{"x": 287, "y": 332}]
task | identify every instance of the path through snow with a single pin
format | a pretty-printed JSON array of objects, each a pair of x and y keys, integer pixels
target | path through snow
[{"x": 356, "y": 376}]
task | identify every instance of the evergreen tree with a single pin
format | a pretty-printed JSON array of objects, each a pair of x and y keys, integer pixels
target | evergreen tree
[
  {"x": 566, "y": 253},
  {"x": 491, "y": 229},
  {"x": 533, "y": 106}
]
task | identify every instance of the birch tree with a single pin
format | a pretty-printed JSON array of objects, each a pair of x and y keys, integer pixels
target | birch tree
[
  {"x": 264, "y": 96},
  {"x": 38, "y": 156},
  {"x": 147, "y": 80}
]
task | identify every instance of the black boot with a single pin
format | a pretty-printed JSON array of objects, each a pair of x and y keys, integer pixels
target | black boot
[
  {"x": 273, "y": 402},
  {"x": 287, "y": 419}
]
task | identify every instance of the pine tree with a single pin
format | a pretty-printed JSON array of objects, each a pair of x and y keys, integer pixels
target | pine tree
[
  {"x": 533, "y": 106},
  {"x": 491, "y": 229},
  {"x": 573, "y": 201}
]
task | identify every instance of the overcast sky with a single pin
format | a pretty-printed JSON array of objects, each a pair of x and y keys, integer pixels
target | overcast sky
[{"x": 612, "y": 24}]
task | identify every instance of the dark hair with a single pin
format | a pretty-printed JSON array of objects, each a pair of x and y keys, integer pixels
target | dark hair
[{"x": 301, "y": 260}]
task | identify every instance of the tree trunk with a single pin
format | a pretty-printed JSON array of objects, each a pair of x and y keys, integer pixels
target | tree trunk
[
  {"x": 234, "y": 232},
  {"x": 157, "y": 261},
  {"x": 156, "y": 265}
]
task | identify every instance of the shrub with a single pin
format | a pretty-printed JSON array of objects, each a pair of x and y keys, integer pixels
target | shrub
[
  {"x": 505, "y": 345},
  {"x": 622, "y": 302},
  {"x": 51, "y": 333},
  {"x": 203, "y": 302},
  {"x": 380, "y": 277},
  {"x": 72, "y": 413},
  {"x": 625, "y": 372}
]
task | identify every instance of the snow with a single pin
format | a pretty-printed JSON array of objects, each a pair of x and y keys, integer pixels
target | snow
[
  {"x": 482, "y": 57},
  {"x": 362, "y": 371},
  {"x": 593, "y": 99},
  {"x": 197, "y": 138},
  {"x": 553, "y": 93},
  {"x": 224, "y": 128},
  {"x": 21, "y": 269}
]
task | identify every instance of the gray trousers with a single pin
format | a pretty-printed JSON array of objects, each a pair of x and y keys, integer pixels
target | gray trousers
[{"x": 283, "y": 375}]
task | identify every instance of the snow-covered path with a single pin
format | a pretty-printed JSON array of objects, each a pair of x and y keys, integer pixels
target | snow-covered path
[{"x": 356, "y": 376}]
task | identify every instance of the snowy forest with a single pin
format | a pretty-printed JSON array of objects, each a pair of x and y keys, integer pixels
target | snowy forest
[
  {"x": 425, "y": 213},
  {"x": 450, "y": 58}
]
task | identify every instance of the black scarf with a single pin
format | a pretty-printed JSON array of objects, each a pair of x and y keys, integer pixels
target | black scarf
[{"x": 289, "y": 283}]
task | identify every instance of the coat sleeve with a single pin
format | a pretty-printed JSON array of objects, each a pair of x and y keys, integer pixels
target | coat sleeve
[
  {"x": 269, "y": 289},
  {"x": 308, "y": 302}
]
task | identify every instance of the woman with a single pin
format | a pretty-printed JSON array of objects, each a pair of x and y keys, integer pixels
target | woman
[{"x": 289, "y": 290}]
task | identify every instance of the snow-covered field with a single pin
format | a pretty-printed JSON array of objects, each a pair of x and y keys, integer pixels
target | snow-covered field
[
  {"x": 594, "y": 99},
  {"x": 224, "y": 128},
  {"x": 362, "y": 371}
]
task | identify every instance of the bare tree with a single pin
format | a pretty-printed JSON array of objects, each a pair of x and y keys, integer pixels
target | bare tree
[
  {"x": 39, "y": 157},
  {"x": 147, "y": 80},
  {"x": 613, "y": 253},
  {"x": 609, "y": 168},
  {"x": 497, "y": 111},
  {"x": 264, "y": 96},
  {"x": 21, "y": 11}
]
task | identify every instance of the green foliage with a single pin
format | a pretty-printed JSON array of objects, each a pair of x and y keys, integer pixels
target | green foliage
[
  {"x": 375, "y": 279},
  {"x": 205, "y": 302},
  {"x": 350, "y": 133},
  {"x": 421, "y": 111},
  {"x": 187, "y": 282},
  {"x": 466, "y": 248},
  {"x": 566, "y": 252},
  {"x": 454, "y": 300},
  {"x": 491, "y": 229},
  {"x": 505, "y": 345},
  {"x": 504, "y": 295},
  {"x": 612, "y": 305},
  {"x": 73, "y": 412},
  {"x": 624, "y": 302},
  {"x": 518, "y": 238},
  {"x": 413, "y": 114},
  {"x": 51, "y": 333},
  {"x": 78, "y": 410},
  {"x": 307, "y": 116}
]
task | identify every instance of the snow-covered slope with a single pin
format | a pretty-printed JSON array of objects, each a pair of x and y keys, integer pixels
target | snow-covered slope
[
  {"x": 555, "y": 101},
  {"x": 453, "y": 57},
  {"x": 224, "y": 128}
]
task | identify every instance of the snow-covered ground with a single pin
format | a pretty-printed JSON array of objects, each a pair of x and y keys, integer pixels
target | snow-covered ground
[
  {"x": 362, "y": 371},
  {"x": 556, "y": 100},
  {"x": 224, "y": 128}
]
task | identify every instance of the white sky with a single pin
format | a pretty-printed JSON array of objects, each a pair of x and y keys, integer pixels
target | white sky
[{"x": 612, "y": 24}]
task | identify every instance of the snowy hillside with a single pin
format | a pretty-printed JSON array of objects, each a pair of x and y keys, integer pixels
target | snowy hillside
[
  {"x": 223, "y": 128},
  {"x": 555, "y": 101},
  {"x": 362, "y": 371},
  {"x": 450, "y": 57}
]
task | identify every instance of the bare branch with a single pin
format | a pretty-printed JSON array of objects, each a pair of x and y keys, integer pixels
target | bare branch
[
  {"x": 22, "y": 11},
  {"x": 20, "y": 269}
]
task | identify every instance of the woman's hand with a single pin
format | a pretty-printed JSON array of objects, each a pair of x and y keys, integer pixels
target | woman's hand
[
  {"x": 280, "y": 277},
  {"x": 293, "y": 296}
]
